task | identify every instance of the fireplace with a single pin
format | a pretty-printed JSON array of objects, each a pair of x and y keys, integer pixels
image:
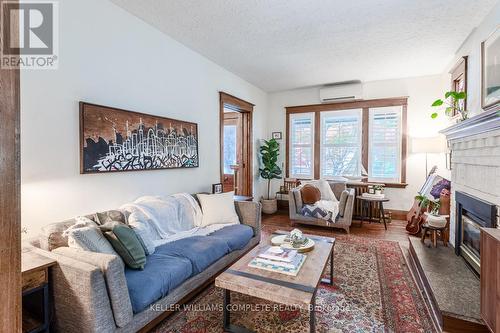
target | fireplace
[{"x": 471, "y": 214}]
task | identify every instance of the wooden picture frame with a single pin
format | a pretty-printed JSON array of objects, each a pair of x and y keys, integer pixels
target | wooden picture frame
[
  {"x": 116, "y": 140},
  {"x": 277, "y": 135},
  {"x": 490, "y": 71}
]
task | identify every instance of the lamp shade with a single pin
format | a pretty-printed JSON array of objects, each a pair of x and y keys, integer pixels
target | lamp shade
[{"x": 429, "y": 145}]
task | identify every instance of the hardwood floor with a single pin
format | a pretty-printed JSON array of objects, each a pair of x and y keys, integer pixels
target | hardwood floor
[{"x": 395, "y": 230}]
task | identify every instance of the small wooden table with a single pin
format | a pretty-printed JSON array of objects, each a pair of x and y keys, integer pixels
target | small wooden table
[
  {"x": 35, "y": 281},
  {"x": 297, "y": 290},
  {"x": 367, "y": 202}
]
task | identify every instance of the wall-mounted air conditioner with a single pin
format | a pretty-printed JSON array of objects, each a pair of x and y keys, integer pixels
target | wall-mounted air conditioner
[{"x": 341, "y": 92}]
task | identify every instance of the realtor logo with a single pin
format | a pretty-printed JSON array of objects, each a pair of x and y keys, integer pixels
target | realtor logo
[{"x": 29, "y": 35}]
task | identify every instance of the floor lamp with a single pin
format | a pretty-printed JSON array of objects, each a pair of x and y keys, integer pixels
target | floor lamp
[{"x": 428, "y": 145}]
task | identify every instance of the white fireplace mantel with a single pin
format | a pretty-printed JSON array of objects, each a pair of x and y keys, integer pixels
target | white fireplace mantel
[
  {"x": 475, "y": 160},
  {"x": 484, "y": 122}
]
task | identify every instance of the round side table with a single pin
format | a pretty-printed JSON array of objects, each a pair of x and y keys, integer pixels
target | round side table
[{"x": 366, "y": 203}]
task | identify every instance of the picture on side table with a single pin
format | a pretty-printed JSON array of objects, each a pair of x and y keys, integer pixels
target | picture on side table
[
  {"x": 112, "y": 139},
  {"x": 217, "y": 188}
]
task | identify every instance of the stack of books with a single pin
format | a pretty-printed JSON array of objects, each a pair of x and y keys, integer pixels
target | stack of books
[
  {"x": 373, "y": 196},
  {"x": 277, "y": 259}
]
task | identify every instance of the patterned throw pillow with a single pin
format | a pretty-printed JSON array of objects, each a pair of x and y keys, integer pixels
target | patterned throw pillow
[
  {"x": 89, "y": 238},
  {"x": 310, "y": 194}
]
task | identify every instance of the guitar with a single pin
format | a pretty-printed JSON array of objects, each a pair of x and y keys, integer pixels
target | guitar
[{"x": 415, "y": 217}]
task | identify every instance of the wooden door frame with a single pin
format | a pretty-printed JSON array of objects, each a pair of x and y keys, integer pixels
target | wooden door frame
[
  {"x": 246, "y": 108},
  {"x": 10, "y": 196}
]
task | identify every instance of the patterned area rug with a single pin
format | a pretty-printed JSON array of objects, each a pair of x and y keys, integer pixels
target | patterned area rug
[{"x": 373, "y": 292}]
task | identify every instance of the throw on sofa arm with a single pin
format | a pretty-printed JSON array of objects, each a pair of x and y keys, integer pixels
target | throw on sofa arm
[{"x": 250, "y": 214}]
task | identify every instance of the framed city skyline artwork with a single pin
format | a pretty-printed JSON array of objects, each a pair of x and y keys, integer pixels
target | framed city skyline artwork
[{"x": 114, "y": 140}]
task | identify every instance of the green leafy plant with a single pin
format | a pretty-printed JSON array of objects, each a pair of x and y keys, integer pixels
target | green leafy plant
[
  {"x": 270, "y": 170},
  {"x": 423, "y": 200},
  {"x": 378, "y": 187},
  {"x": 452, "y": 104}
]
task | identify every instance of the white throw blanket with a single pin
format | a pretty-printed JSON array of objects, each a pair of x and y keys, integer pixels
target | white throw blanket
[{"x": 170, "y": 217}]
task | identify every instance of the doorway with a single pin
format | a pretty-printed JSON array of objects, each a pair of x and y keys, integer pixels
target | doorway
[{"x": 236, "y": 145}]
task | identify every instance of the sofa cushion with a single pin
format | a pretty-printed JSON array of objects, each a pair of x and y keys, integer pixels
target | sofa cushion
[
  {"x": 310, "y": 194},
  {"x": 162, "y": 273},
  {"x": 217, "y": 208},
  {"x": 324, "y": 187},
  {"x": 89, "y": 239},
  {"x": 51, "y": 236},
  {"x": 236, "y": 236},
  {"x": 126, "y": 244},
  {"x": 202, "y": 251}
]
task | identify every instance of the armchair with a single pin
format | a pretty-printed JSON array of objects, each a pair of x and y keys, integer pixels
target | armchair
[{"x": 343, "y": 220}]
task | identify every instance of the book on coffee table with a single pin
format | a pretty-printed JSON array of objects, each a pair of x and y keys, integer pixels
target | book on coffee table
[
  {"x": 278, "y": 254},
  {"x": 292, "y": 268}
]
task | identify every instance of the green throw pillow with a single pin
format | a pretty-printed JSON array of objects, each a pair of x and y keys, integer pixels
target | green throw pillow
[{"x": 125, "y": 242}]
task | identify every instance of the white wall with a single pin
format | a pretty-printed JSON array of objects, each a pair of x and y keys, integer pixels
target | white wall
[
  {"x": 422, "y": 91},
  {"x": 472, "y": 48},
  {"x": 109, "y": 57}
]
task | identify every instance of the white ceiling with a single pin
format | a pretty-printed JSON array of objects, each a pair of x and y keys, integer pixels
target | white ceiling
[{"x": 285, "y": 44}]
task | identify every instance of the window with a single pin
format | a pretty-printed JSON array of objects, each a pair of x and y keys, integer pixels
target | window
[
  {"x": 229, "y": 148},
  {"x": 348, "y": 139},
  {"x": 301, "y": 145},
  {"x": 340, "y": 143},
  {"x": 384, "y": 152}
]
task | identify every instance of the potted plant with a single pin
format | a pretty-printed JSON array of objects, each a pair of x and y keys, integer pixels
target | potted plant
[
  {"x": 423, "y": 201},
  {"x": 270, "y": 170},
  {"x": 452, "y": 101},
  {"x": 378, "y": 189}
]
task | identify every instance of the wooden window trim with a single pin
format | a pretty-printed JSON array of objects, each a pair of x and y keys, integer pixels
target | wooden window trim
[
  {"x": 365, "y": 105},
  {"x": 246, "y": 108},
  {"x": 459, "y": 70}
]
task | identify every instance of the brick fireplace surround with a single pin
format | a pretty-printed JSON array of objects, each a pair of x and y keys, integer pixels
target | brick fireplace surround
[{"x": 475, "y": 161}]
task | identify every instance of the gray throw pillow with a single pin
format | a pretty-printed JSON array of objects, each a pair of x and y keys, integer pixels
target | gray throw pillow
[
  {"x": 126, "y": 243},
  {"x": 89, "y": 238},
  {"x": 110, "y": 216}
]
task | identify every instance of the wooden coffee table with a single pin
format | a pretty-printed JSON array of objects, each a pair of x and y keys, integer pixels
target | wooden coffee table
[{"x": 297, "y": 290}]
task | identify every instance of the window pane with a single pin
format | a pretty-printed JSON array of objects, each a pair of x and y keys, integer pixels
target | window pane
[
  {"x": 302, "y": 161},
  {"x": 229, "y": 148},
  {"x": 301, "y": 145},
  {"x": 302, "y": 131},
  {"x": 341, "y": 143},
  {"x": 340, "y": 161},
  {"x": 385, "y": 144}
]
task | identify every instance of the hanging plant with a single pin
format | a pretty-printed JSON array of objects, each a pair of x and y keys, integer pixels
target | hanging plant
[{"x": 452, "y": 104}]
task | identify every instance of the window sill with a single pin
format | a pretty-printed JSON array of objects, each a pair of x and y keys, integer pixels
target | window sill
[{"x": 395, "y": 185}]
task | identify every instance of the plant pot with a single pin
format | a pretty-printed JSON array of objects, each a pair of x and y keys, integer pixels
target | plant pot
[
  {"x": 269, "y": 206},
  {"x": 378, "y": 192}
]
